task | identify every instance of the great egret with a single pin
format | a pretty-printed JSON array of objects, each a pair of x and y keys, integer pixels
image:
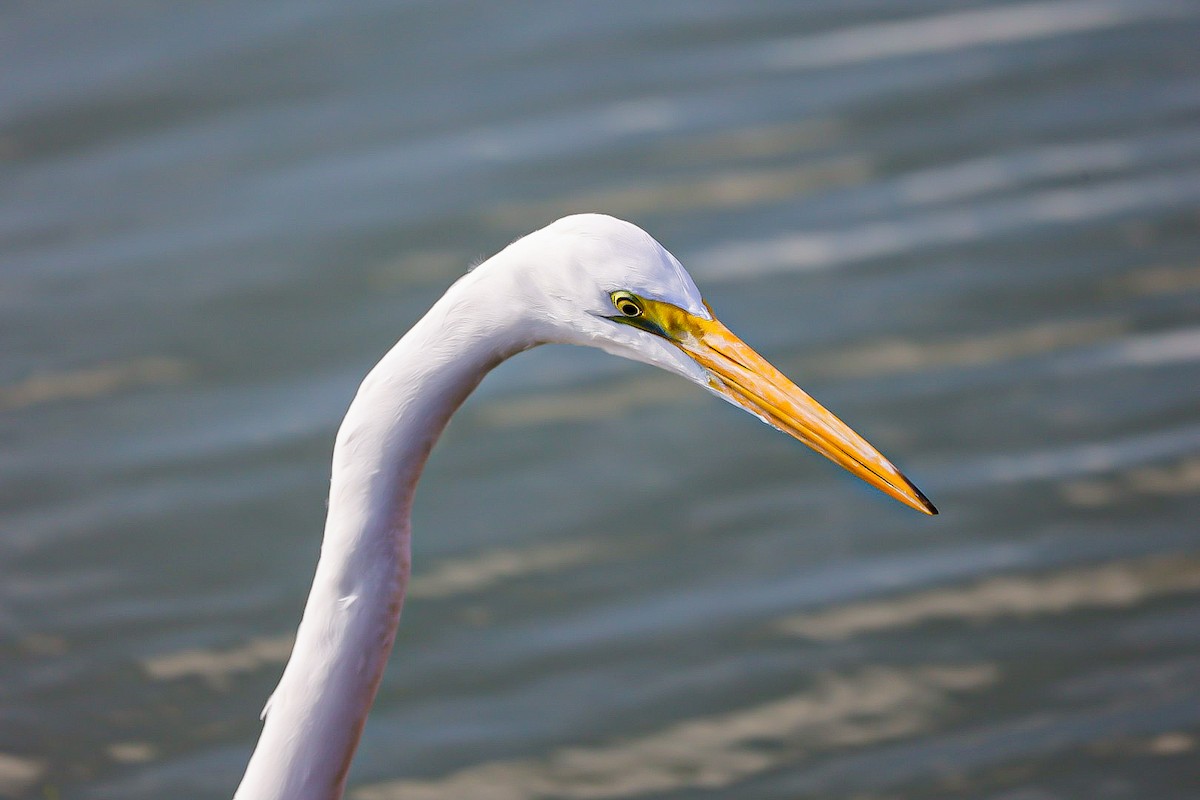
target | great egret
[{"x": 587, "y": 279}]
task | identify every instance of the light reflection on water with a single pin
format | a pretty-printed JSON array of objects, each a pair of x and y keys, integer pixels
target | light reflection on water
[{"x": 970, "y": 230}]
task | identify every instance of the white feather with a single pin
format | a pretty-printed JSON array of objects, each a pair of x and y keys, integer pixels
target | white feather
[{"x": 553, "y": 285}]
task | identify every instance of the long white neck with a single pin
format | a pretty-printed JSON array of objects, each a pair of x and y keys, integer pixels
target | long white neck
[{"x": 315, "y": 717}]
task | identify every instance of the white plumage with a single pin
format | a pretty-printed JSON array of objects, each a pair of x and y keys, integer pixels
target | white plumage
[{"x": 588, "y": 280}]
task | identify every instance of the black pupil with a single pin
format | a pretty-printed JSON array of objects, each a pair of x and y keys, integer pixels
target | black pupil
[{"x": 629, "y": 308}]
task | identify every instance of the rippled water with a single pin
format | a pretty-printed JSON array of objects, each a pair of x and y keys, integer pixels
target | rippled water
[{"x": 969, "y": 228}]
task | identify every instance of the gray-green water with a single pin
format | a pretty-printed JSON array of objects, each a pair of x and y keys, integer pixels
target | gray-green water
[{"x": 970, "y": 228}]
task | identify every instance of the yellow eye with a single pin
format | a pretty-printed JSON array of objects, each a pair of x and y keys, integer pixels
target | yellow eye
[{"x": 627, "y": 304}]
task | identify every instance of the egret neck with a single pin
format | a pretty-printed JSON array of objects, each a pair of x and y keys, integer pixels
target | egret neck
[{"x": 315, "y": 717}]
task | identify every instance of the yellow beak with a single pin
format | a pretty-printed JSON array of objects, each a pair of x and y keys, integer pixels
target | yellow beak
[{"x": 750, "y": 381}]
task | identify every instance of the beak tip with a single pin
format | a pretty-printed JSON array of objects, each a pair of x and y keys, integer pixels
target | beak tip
[{"x": 923, "y": 504}]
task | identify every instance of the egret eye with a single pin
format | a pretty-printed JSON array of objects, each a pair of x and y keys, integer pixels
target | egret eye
[{"x": 627, "y": 304}]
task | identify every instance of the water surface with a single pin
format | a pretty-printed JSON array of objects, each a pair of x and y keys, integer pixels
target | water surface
[{"x": 969, "y": 228}]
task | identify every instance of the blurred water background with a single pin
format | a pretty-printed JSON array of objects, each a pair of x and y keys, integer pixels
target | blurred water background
[{"x": 970, "y": 228}]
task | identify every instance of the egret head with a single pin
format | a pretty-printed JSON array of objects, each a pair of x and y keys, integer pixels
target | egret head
[{"x": 606, "y": 283}]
